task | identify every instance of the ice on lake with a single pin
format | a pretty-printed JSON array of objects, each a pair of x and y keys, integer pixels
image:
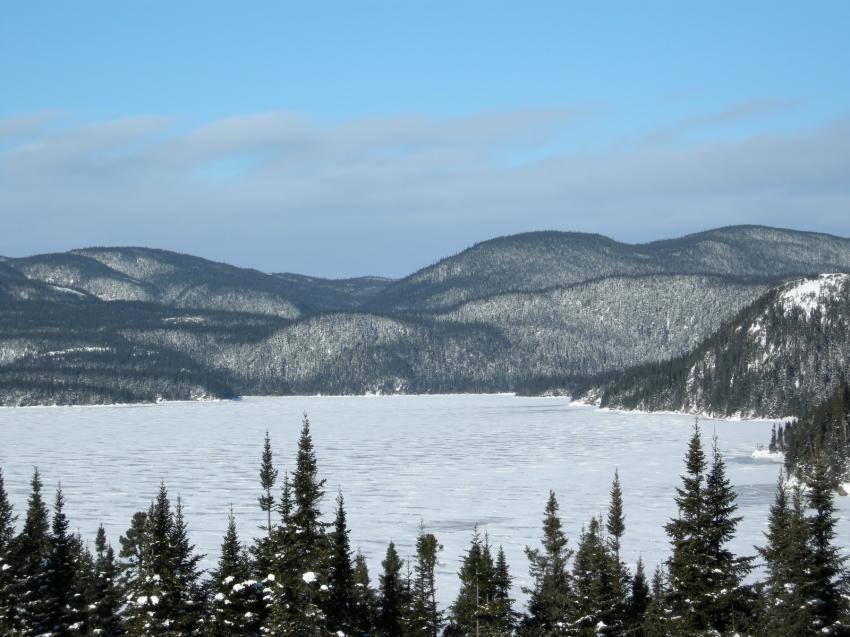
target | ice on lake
[{"x": 449, "y": 462}]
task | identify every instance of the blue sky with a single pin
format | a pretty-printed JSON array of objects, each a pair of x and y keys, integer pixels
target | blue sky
[{"x": 361, "y": 137}]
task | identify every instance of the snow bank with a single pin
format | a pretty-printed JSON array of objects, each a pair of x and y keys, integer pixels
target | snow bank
[{"x": 768, "y": 456}]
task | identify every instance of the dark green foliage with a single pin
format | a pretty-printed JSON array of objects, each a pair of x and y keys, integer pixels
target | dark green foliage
[
  {"x": 106, "y": 590},
  {"x": 187, "y": 574},
  {"x": 705, "y": 577},
  {"x": 235, "y": 606},
  {"x": 341, "y": 598},
  {"x": 365, "y": 601},
  {"x": 66, "y": 599},
  {"x": 7, "y": 566},
  {"x": 424, "y": 618},
  {"x": 268, "y": 477},
  {"x": 826, "y": 583},
  {"x": 821, "y": 435},
  {"x": 33, "y": 547},
  {"x": 551, "y": 597},
  {"x": 638, "y": 601},
  {"x": 392, "y": 595},
  {"x": 598, "y": 607}
]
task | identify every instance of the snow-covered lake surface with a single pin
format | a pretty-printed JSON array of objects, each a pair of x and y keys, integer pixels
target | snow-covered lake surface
[{"x": 450, "y": 461}]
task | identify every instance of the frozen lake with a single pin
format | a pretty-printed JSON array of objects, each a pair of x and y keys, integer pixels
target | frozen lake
[{"x": 449, "y": 461}]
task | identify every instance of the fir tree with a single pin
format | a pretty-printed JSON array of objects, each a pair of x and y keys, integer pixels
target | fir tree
[
  {"x": 33, "y": 548},
  {"x": 106, "y": 593},
  {"x": 307, "y": 495},
  {"x": 235, "y": 606},
  {"x": 469, "y": 610},
  {"x": 550, "y": 598},
  {"x": 7, "y": 536},
  {"x": 264, "y": 550},
  {"x": 657, "y": 620},
  {"x": 392, "y": 597}
]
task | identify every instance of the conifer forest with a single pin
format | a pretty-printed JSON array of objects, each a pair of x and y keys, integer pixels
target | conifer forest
[{"x": 299, "y": 576}]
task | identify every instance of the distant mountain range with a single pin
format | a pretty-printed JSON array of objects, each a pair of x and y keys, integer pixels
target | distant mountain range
[{"x": 529, "y": 311}]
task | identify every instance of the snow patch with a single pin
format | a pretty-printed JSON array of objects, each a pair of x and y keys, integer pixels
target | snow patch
[
  {"x": 768, "y": 456},
  {"x": 809, "y": 294}
]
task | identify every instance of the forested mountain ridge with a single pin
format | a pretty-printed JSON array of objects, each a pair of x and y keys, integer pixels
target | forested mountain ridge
[
  {"x": 781, "y": 356},
  {"x": 537, "y": 260},
  {"x": 536, "y": 308}
]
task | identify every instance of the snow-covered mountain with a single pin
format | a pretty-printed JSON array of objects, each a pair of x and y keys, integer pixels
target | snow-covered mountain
[
  {"x": 519, "y": 312},
  {"x": 780, "y": 356}
]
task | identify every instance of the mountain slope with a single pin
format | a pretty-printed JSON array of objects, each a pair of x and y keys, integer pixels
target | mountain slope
[
  {"x": 538, "y": 260},
  {"x": 780, "y": 356}
]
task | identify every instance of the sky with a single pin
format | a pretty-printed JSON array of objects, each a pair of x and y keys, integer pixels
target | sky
[{"x": 350, "y": 138}]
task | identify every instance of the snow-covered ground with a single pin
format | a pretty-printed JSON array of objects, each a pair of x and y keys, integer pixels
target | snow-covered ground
[{"x": 450, "y": 461}]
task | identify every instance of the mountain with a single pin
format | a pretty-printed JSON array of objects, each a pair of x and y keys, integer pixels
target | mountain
[
  {"x": 516, "y": 313},
  {"x": 780, "y": 356},
  {"x": 540, "y": 260}
]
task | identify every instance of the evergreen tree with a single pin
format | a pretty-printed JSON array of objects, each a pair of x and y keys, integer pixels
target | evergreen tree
[
  {"x": 827, "y": 578},
  {"x": 7, "y": 580},
  {"x": 727, "y": 603},
  {"x": 365, "y": 601},
  {"x": 104, "y": 618},
  {"x": 341, "y": 600},
  {"x": 615, "y": 525},
  {"x": 502, "y": 611},
  {"x": 133, "y": 547},
  {"x": 657, "y": 621},
  {"x": 65, "y": 600},
  {"x": 235, "y": 606},
  {"x": 425, "y": 619},
  {"x": 597, "y": 609},
  {"x": 189, "y": 604},
  {"x": 392, "y": 599},
  {"x": 298, "y": 594},
  {"x": 551, "y": 596},
  {"x": 638, "y": 601},
  {"x": 32, "y": 549},
  {"x": 264, "y": 549},
  {"x": 469, "y": 613}
]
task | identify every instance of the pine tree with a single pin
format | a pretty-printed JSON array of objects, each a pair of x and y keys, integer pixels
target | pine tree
[
  {"x": 32, "y": 549},
  {"x": 551, "y": 596},
  {"x": 104, "y": 619},
  {"x": 826, "y": 581},
  {"x": 7, "y": 536},
  {"x": 235, "y": 606},
  {"x": 341, "y": 601},
  {"x": 392, "y": 597},
  {"x": 425, "y": 619}
]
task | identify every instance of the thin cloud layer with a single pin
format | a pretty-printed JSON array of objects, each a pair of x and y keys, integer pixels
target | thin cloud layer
[{"x": 282, "y": 191}]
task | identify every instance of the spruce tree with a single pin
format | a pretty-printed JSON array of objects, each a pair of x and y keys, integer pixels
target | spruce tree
[
  {"x": 502, "y": 610},
  {"x": 827, "y": 578},
  {"x": 341, "y": 600},
  {"x": 235, "y": 605},
  {"x": 133, "y": 547},
  {"x": 597, "y": 609},
  {"x": 365, "y": 601},
  {"x": 264, "y": 551},
  {"x": 106, "y": 593},
  {"x": 7, "y": 568},
  {"x": 638, "y": 601},
  {"x": 469, "y": 612},
  {"x": 550, "y": 598},
  {"x": 727, "y": 602},
  {"x": 391, "y": 595},
  {"x": 66, "y": 605},
  {"x": 425, "y": 619},
  {"x": 32, "y": 582},
  {"x": 658, "y": 620},
  {"x": 186, "y": 574},
  {"x": 615, "y": 525}
]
